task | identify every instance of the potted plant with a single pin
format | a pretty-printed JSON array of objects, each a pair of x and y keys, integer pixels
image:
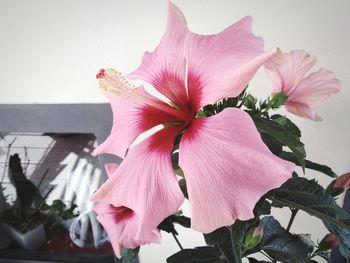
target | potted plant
[{"x": 27, "y": 218}]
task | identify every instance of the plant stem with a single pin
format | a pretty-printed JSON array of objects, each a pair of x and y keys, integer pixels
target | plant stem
[
  {"x": 177, "y": 241},
  {"x": 294, "y": 213}
]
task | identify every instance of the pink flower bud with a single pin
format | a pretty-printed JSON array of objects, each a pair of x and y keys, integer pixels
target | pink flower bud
[
  {"x": 332, "y": 239},
  {"x": 258, "y": 231},
  {"x": 343, "y": 181}
]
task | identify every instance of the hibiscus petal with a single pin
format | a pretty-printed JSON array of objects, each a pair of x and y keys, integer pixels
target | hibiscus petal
[
  {"x": 302, "y": 110},
  {"x": 221, "y": 65},
  {"x": 304, "y": 92},
  {"x": 145, "y": 182},
  {"x": 227, "y": 169},
  {"x": 130, "y": 119},
  {"x": 121, "y": 225},
  {"x": 111, "y": 168},
  {"x": 165, "y": 67},
  {"x": 316, "y": 88},
  {"x": 287, "y": 75}
]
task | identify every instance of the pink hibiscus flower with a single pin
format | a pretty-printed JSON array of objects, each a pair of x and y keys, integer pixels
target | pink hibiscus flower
[
  {"x": 226, "y": 165},
  {"x": 121, "y": 223},
  {"x": 288, "y": 75}
]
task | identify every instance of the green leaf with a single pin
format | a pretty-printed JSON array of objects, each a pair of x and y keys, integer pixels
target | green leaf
[
  {"x": 310, "y": 197},
  {"x": 282, "y": 135},
  {"x": 183, "y": 187},
  {"x": 306, "y": 239},
  {"x": 282, "y": 245},
  {"x": 175, "y": 160},
  {"x": 167, "y": 224},
  {"x": 309, "y": 164},
  {"x": 334, "y": 191},
  {"x": 249, "y": 102},
  {"x": 262, "y": 207},
  {"x": 128, "y": 255},
  {"x": 278, "y": 100},
  {"x": 287, "y": 124},
  {"x": 236, "y": 239},
  {"x": 182, "y": 220},
  {"x": 216, "y": 236},
  {"x": 274, "y": 145},
  {"x": 196, "y": 255},
  {"x": 228, "y": 241}
]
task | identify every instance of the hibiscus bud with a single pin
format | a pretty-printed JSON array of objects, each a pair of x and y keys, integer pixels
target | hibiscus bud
[
  {"x": 337, "y": 186},
  {"x": 328, "y": 242},
  {"x": 343, "y": 181},
  {"x": 254, "y": 237}
]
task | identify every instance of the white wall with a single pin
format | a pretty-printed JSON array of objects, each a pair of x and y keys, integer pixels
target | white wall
[{"x": 50, "y": 52}]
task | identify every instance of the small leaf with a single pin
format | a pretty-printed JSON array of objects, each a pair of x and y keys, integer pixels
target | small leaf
[
  {"x": 308, "y": 164},
  {"x": 182, "y": 220},
  {"x": 249, "y": 102},
  {"x": 334, "y": 191},
  {"x": 167, "y": 225},
  {"x": 183, "y": 187},
  {"x": 263, "y": 207},
  {"x": 197, "y": 255}
]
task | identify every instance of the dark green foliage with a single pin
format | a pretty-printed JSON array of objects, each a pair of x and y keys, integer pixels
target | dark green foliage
[
  {"x": 211, "y": 110},
  {"x": 128, "y": 255},
  {"x": 343, "y": 236},
  {"x": 282, "y": 135},
  {"x": 167, "y": 224},
  {"x": 308, "y": 164},
  {"x": 228, "y": 240},
  {"x": 196, "y": 255},
  {"x": 273, "y": 144},
  {"x": 282, "y": 245},
  {"x": 232, "y": 243},
  {"x": 263, "y": 207},
  {"x": 310, "y": 197},
  {"x": 286, "y": 123},
  {"x": 183, "y": 187},
  {"x": 334, "y": 191}
]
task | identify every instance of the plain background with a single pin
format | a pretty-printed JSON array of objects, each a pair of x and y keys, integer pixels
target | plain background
[{"x": 50, "y": 52}]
